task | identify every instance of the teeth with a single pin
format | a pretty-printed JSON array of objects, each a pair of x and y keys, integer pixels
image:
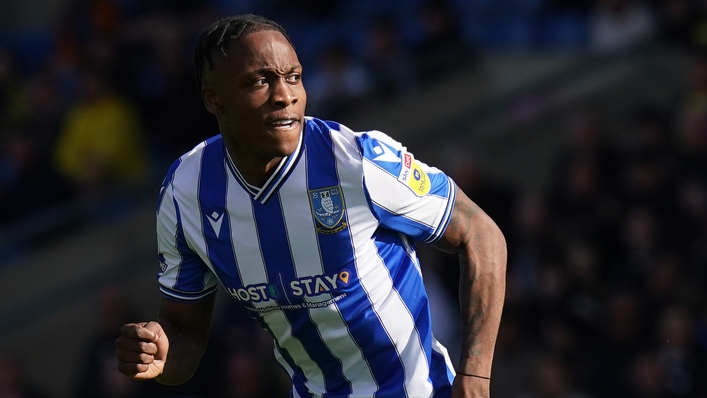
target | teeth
[{"x": 283, "y": 122}]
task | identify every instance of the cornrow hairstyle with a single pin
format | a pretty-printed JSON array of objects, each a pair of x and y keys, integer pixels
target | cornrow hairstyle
[{"x": 221, "y": 32}]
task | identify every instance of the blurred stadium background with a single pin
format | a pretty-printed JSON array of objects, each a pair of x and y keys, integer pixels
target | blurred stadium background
[{"x": 579, "y": 126}]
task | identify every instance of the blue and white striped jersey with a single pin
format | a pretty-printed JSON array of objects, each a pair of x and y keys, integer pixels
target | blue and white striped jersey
[{"x": 322, "y": 255}]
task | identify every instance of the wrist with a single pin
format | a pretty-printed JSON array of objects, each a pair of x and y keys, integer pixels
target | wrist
[{"x": 473, "y": 376}]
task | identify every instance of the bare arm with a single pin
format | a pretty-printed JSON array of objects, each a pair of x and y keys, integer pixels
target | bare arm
[
  {"x": 187, "y": 325},
  {"x": 482, "y": 251},
  {"x": 168, "y": 349}
]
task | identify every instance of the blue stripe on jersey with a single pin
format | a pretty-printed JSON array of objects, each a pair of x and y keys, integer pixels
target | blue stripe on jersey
[
  {"x": 215, "y": 225},
  {"x": 394, "y": 221},
  {"x": 441, "y": 376},
  {"x": 452, "y": 194},
  {"x": 191, "y": 268},
  {"x": 298, "y": 373},
  {"x": 167, "y": 180},
  {"x": 274, "y": 246},
  {"x": 383, "y": 155},
  {"x": 407, "y": 281},
  {"x": 410, "y": 286},
  {"x": 370, "y": 335}
]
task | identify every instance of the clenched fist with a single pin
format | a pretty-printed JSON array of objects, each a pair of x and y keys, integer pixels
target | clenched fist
[{"x": 142, "y": 350}]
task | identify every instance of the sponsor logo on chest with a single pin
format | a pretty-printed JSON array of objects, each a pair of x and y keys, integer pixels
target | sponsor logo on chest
[{"x": 308, "y": 286}]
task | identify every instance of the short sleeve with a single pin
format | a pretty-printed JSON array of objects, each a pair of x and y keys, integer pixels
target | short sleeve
[
  {"x": 183, "y": 274},
  {"x": 406, "y": 195}
]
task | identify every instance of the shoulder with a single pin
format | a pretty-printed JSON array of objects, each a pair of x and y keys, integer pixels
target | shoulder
[
  {"x": 331, "y": 134},
  {"x": 188, "y": 166},
  {"x": 365, "y": 141},
  {"x": 325, "y": 127}
]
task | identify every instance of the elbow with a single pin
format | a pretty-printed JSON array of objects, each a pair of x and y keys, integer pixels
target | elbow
[{"x": 496, "y": 247}]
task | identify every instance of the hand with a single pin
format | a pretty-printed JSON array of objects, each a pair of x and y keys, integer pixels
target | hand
[
  {"x": 470, "y": 387},
  {"x": 142, "y": 350}
]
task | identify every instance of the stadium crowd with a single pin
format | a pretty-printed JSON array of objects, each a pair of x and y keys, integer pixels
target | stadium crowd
[{"x": 606, "y": 266}]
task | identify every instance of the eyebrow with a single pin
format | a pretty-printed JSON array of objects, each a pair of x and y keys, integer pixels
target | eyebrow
[{"x": 265, "y": 70}]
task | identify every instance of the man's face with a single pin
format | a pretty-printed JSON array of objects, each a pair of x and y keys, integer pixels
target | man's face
[{"x": 257, "y": 94}]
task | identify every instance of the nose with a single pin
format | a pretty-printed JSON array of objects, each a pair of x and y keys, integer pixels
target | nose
[{"x": 283, "y": 95}]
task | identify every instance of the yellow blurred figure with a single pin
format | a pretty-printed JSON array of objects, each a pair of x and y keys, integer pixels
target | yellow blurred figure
[{"x": 101, "y": 141}]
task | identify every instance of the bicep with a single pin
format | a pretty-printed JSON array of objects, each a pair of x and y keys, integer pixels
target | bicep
[{"x": 467, "y": 225}]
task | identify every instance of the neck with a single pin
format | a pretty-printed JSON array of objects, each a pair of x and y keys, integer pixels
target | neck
[{"x": 255, "y": 170}]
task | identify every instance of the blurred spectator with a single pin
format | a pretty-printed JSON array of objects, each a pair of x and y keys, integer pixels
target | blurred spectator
[
  {"x": 495, "y": 196},
  {"x": 588, "y": 138},
  {"x": 515, "y": 356},
  {"x": 442, "y": 50},
  {"x": 582, "y": 183},
  {"x": 28, "y": 182},
  {"x": 666, "y": 282},
  {"x": 682, "y": 362},
  {"x": 12, "y": 383},
  {"x": 99, "y": 376},
  {"x": 649, "y": 166},
  {"x": 699, "y": 31},
  {"x": 583, "y": 6},
  {"x": 646, "y": 377},
  {"x": 586, "y": 291},
  {"x": 532, "y": 244},
  {"x": 678, "y": 20},
  {"x": 284, "y": 9},
  {"x": 389, "y": 59},
  {"x": 85, "y": 32},
  {"x": 618, "y": 25},
  {"x": 248, "y": 374},
  {"x": 641, "y": 242},
  {"x": 553, "y": 380},
  {"x": 101, "y": 144},
  {"x": 244, "y": 371},
  {"x": 11, "y": 109},
  {"x": 163, "y": 86},
  {"x": 688, "y": 226},
  {"x": 691, "y": 120},
  {"x": 340, "y": 83},
  {"x": 622, "y": 337}
]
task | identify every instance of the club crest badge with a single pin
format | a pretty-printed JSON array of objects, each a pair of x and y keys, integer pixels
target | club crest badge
[{"x": 328, "y": 209}]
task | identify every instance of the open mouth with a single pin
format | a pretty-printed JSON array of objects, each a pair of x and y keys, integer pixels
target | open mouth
[{"x": 284, "y": 123}]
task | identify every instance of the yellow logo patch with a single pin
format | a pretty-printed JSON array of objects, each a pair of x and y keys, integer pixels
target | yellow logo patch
[
  {"x": 419, "y": 182},
  {"x": 413, "y": 176}
]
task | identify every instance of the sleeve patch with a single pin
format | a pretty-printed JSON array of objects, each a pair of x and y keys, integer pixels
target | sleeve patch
[{"x": 413, "y": 176}]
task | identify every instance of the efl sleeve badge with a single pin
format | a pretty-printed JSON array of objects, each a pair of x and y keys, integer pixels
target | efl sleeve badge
[{"x": 412, "y": 175}]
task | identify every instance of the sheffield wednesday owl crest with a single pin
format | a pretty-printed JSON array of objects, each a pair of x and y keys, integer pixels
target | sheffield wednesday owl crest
[{"x": 328, "y": 209}]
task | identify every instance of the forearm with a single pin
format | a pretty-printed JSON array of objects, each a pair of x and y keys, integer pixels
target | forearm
[
  {"x": 481, "y": 294},
  {"x": 187, "y": 328}
]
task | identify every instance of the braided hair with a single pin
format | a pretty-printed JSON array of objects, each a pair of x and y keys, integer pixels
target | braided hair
[{"x": 217, "y": 37}]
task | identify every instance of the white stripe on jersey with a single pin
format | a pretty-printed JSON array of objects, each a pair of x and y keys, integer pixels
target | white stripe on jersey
[
  {"x": 375, "y": 279},
  {"x": 190, "y": 224},
  {"x": 305, "y": 252},
  {"x": 397, "y": 196},
  {"x": 244, "y": 237}
]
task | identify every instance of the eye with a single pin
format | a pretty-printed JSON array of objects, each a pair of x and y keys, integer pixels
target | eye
[
  {"x": 294, "y": 78},
  {"x": 260, "y": 81}
]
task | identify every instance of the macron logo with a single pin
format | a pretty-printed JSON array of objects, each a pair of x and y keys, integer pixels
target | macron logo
[
  {"x": 385, "y": 154},
  {"x": 215, "y": 219}
]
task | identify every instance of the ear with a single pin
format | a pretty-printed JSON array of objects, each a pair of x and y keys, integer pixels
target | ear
[{"x": 211, "y": 100}]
